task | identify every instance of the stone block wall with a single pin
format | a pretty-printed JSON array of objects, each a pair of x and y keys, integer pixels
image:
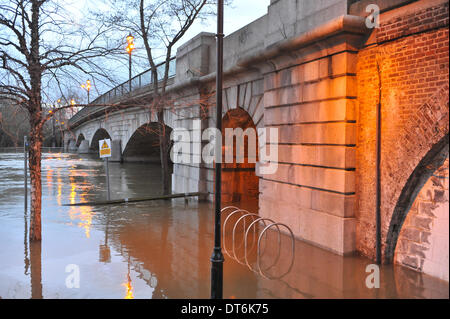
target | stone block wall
[
  {"x": 187, "y": 108},
  {"x": 312, "y": 101}
]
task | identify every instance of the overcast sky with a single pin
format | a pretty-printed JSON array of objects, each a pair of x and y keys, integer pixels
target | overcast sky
[{"x": 236, "y": 16}]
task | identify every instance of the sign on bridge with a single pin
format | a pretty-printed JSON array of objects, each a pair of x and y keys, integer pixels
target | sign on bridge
[{"x": 105, "y": 148}]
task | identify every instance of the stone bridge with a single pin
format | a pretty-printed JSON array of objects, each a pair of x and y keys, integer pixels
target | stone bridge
[{"x": 317, "y": 73}]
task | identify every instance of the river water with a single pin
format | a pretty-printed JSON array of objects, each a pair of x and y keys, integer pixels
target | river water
[{"x": 160, "y": 249}]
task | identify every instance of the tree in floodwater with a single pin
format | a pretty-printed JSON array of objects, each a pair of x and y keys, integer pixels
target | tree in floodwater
[
  {"x": 43, "y": 53},
  {"x": 160, "y": 24}
]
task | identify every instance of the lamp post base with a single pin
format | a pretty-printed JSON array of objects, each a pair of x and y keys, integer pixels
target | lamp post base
[{"x": 217, "y": 260}]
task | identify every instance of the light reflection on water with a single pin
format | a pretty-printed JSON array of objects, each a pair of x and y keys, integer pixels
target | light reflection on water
[{"x": 155, "y": 249}]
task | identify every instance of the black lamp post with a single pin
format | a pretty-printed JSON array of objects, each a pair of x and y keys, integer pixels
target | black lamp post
[{"x": 217, "y": 256}]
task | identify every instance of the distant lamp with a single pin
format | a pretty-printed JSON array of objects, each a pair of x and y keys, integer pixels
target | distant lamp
[
  {"x": 130, "y": 41},
  {"x": 130, "y": 47},
  {"x": 87, "y": 87}
]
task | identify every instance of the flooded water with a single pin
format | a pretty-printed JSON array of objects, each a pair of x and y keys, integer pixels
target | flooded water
[{"x": 160, "y": 249}]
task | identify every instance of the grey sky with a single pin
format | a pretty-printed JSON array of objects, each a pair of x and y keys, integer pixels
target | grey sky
[{"x": 237, "y": 15}]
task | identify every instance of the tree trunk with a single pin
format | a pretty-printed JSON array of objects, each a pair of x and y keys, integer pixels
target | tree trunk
[
  {"x": 36, "y": 123},
  {"x": 36, "y": 269},
  {"x": 35, "y": 156},
  {"x": 163, "y": 147}
]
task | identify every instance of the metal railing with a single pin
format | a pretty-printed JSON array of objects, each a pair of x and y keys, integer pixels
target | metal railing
[
  {"x": 19, "y": 149},
  {"x": 142, "y": 80}
]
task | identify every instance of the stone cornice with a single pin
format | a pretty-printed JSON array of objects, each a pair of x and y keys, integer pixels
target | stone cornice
[{"x": 343, "y": 24}]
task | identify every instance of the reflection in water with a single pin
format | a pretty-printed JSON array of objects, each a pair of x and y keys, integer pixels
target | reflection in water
[
  {"x": 83, "y": 213},
  {"x": 160, "y": 249},
  {"x": 105, "y": 251},
  {"x": 59, "y": 185},
  {"x": 36, "y": 271},
  {"x": 127, "y": 285},
  {"x": 50, "y": 180},
  {"x": 26, "y": 261}
]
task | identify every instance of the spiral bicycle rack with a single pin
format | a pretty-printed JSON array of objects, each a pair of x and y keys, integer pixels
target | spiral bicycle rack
[{"x": 251, "y": 227}]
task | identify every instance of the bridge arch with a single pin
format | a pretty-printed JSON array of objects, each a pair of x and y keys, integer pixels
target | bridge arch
[
  {"x": 144, "y": 144},
  {"x": 239, "y": 180},
  {"x": 100, "y": 134},
  {"x": 416, "y": 216}
]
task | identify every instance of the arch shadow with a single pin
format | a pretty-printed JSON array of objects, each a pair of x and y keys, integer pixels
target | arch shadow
[
  {"x": 99, "y": 135},
  {"x": 239, "y": 180},
  {"x": 80, "y": 139},
  {"x": 144, "y": 144}
]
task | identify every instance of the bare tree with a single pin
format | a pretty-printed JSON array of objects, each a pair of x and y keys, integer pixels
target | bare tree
[
  {"x": 43, "y": 52},
  {"x": 160, "y": 24}
]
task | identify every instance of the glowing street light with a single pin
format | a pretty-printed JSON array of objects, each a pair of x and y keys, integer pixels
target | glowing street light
[
  {"x": 87, "y": 86},
  {"x": 130, "y": 47}
]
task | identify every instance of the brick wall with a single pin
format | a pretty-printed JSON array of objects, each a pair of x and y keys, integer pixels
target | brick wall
[
  {"x": 411, "y": 51},
  {"x": 433, "y": 17}
]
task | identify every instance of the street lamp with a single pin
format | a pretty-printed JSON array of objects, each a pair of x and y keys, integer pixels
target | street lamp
[
  {"x": 52, "y": 111},
  {"x": 130, "y": 47},
  {"x": 87, "y": 86},
  {"x": 217, "y": 256}
]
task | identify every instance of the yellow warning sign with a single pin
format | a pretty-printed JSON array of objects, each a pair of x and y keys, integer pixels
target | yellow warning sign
[{"x": 105, "y": 148}]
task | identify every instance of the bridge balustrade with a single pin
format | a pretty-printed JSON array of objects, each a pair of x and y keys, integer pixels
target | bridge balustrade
[{"x": 141, "y": 80}]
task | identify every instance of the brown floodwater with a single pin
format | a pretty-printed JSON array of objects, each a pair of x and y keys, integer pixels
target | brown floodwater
[{"x": 162, "y": 249}]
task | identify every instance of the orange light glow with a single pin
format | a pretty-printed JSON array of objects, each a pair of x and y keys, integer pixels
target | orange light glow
[
  {"x": 59, "y": 181},
  {"x": 49, "y": 180},
  {"x": 130, "y": 47},
  {"x": 129, "y": 287},
  {"x": 83, "y": 213},
  {"x": 87, "y": 86}
]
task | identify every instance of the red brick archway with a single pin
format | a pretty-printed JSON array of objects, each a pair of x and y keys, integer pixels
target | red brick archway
[
  {"x": 408, "y": 148},
  {"x": 405, "y": 72},
  {"x": 239, "y": 180},
  {"x": 431, "y": 162}
]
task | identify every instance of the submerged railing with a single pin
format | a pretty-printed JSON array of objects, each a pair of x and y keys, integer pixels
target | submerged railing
[
  {"x": 19, "y": 149},
  {"x": 144, "y": 79}
]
